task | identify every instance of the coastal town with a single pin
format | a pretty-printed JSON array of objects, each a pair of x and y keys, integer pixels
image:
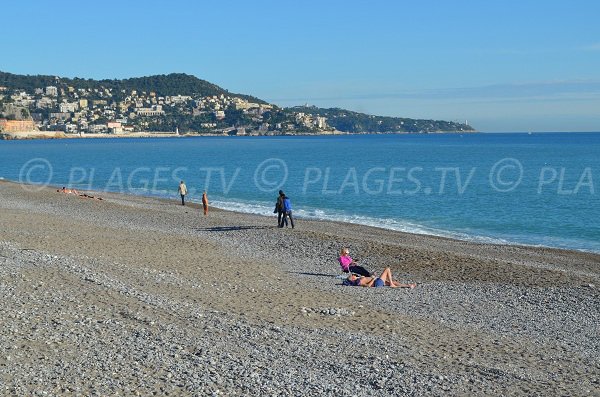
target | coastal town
[
  {"x": 72, "y": 111},
  {"x": 176, "y": 104}
]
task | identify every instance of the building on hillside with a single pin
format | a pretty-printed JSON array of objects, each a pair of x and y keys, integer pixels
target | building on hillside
[
  {"x": 70, "y": 128},
  {"x": 179, "y": 99},
  {"x": 99, "y": 102},
  {"x": 17, "y": 125},
  {"x": 45, "y": 102},
  {"x": 98, "y": 128},
  {"x": 60, "y": 115},
  {"x": 321, "y": 122},
  {"x": 51, "y": 90},
  {"x": 243, "y": 105},
  {"x": 22, "y": 99},
  {"x": 37, "y": 117},
  {"x": 68, "y": 107},
  {"x": 155, "y": 110},
  {"x": 115, "y": 127}
]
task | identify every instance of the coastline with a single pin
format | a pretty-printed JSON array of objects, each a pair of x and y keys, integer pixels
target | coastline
[
  {"x": 231, "y": 292},
  {"x": 62, "y": 135},
  {"x": 444, "y": 235}
]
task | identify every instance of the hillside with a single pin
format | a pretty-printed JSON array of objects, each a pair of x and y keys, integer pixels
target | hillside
[
  {"x": 354, "y": 122},
  {"x": 179, "y": 102},
  {"x": 162, "y": 85}
]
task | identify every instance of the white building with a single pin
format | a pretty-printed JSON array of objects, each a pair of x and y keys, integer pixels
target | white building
[
  {"x": 51, "y": 90},
  {"x": 69, "y": 107},
  {"x": 155, "y": 110},
  {"x": 179, "y": 99},
  {"x": 45, "y": 102},
  {"x": 321, "y": 122}
]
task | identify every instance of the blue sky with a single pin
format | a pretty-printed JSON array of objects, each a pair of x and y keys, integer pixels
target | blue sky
[{"x": 502, "y": 65}]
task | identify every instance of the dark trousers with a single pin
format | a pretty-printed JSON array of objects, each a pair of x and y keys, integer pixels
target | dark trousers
[
  {"x": 279, "y": 216},
  {"x": 284, "y": 219},
  {"x": 359, "y": 270},
  {"x": 183, "y": 199}
]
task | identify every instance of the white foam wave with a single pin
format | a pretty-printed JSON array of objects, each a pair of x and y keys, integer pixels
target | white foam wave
[{"x": 263, "y": 209}]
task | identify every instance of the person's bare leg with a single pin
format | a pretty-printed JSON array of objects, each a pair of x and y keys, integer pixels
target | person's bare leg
[
  {"x": 386, "y": 276},
  {"x": 397, "y": 284}
]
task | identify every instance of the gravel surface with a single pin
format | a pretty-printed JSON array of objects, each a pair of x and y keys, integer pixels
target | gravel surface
[{"x": 139, "y": 296}]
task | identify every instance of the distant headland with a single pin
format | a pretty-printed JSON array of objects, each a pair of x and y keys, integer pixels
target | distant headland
[{"x": 172, "y": 105}]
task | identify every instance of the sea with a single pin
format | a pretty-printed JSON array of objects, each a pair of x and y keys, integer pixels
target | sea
[{"x": 540, "y": 189}]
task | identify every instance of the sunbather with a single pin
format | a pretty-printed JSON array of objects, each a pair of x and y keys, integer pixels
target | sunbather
[
  {"x": 68, "y": 191},
  {"x": 348, "y": 266},
  {"x": 384, "y": 280},
  {"x": 73, "y": 191}
]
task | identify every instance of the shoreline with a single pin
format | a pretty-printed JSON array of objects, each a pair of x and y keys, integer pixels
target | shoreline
[
  {"x": 483, "y": 240},
  {"x": 43, "y": 135},
  {"x": 133, "y": 293}
]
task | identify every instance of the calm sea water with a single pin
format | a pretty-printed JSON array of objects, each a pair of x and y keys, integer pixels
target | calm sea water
[{"x": 539, "y": 189}]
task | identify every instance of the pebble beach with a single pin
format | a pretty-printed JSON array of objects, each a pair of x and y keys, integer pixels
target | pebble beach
[{"x": 132, "y": 295}]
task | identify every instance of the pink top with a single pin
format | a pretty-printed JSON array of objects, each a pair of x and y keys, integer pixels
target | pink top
[{"x": 345, "y": 261}]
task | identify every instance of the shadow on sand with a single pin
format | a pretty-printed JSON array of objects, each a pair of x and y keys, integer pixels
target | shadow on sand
[
  {"x": 230, "y": 228},
  {"x": 314, "y": 274}
]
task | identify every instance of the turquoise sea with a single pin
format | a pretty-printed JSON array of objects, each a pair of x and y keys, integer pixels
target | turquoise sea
[{"x": 538, "y": 189}]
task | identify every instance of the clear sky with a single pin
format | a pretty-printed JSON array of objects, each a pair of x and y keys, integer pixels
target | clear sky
[{"x": 525, "y": 65}]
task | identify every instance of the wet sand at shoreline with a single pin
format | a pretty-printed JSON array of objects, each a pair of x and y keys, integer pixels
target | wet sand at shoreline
[{"x": 135, "y": 294}]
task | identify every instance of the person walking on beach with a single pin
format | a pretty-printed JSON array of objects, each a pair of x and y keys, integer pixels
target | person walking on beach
[
  {"x": 205, "y": 203},
  {"x": 279, "y": 207},
  {"x": 182, "y": 191},
  {"x": 287, "y": 212}
]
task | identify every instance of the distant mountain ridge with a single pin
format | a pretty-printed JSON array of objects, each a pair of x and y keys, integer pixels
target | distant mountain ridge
[{"x": 191, "y": 115}]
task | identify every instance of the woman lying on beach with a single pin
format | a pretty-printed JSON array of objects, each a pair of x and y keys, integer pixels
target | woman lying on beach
[
  {"x": 348, "y": 266},
  {"x": 68, "y": 191},
  {"x": 384, "y": 280},
  {"x": 73, "y": 191}
]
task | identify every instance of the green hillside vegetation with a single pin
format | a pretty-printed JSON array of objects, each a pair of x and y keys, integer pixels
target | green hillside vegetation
[
  {"x": 349, "y": 121},
  {"x": 171, "y": 84}
]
